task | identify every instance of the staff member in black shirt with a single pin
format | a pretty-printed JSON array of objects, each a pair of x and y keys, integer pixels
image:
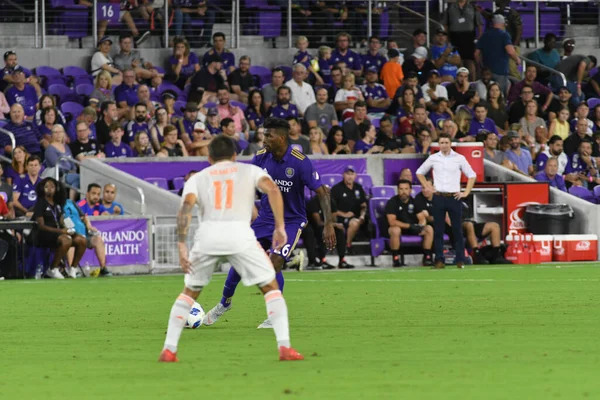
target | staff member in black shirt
[
  {"x": 351, "y": 201},
  {"x": 313, "y": 231},
  {"x": 51, "y": 233},
  {"x": 402, "y": 217}
]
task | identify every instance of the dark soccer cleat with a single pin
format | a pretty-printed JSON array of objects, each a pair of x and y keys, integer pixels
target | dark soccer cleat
[{"x": 289, "y": 354}]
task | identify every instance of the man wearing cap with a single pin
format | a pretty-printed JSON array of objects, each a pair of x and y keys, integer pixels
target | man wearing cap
[
  {"x": 351, "y": 202},
  {"x": 494, "y": 48},
  {"x": 206, "y": 83},
  {"x": 102, "y": 61},
  {"x": 126, "y": 93},
  {"x": 185, "y": 125},
  {"x": 10, "y": 63},
  {"x": 419, "y": 64},
  {"x": 576, "y": 68},
  {"x": 464, "y": 24},
  {"x": 519, "y": 156},
  {"x": 445, "y": 57},
  {"x": 419, "y": 39},
  {"x": 321, "y": 114},
  {"x": 568, "y": 46},
  {"x": 342, "y": 53},
  {"x": 457, "y": 91},
  {"x": 391, "y": 73},
  {"x": 375, "y": 93},
  {"x": 432, "y": 90},
  {"x": 373, "y": 58},
  {"x": 23, "y": 93},
  {"x": 447, "y": 166},
  {"x": 227, "y": 57}
]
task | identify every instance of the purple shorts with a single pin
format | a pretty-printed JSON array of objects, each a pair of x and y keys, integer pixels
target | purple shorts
[{"x": 264, "y": 235}]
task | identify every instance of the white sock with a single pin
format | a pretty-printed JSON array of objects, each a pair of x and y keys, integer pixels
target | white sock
[
  {"x": 179, "y": 314},
  {"x": 278, "y": 315}
]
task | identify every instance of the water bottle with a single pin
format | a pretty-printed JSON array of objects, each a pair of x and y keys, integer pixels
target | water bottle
[{"x": 38, "y": 271}]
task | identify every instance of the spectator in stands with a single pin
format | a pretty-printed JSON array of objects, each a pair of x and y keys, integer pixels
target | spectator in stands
[
  {"x": 337, "y": 81},
  {"x": 4, "y": 106},
  {"x": 228, "y": 110},
  {"x": 155, "y": 89},
  {"x": 445, "y": 57},
  {"x": 227, "y": 129},
  {"x": 519, "y": 156},
  {"x": 116, "y": 148},
  {"x": 582, "y": 112},
  {"x": 571, "y": 144},
  {"x": 440, "y": 112},
  {"x": 595, "y": 116},
  {"x": 481, "y": 85},
  {"x": 366, "y": 144},
  {"x": 303, "y": 93},
  {"x": 6, "y": 196},
  {"x": 497, "y": 108},
  {"x": 432, "y": 90},
  {"x": 6, "y": 73},
  {"x": 257, "y": 143},
  {"x": 481, "y": 122},
  {"x": 185, "y": 125},
  {"x": 342, "y": 53},
  {"x": 471, "y": 100},
  {"x": 514, "y": 27},
  {"x": 184, "y": 63},
  {"x": 102, "y": 61},
  {"x": 317, "y": 145},
  {"x": 110, "y": 114},
  {"x": 373, "y": 58},
  {"x": 283, "y": 108},
  {"x": 84, "y": 147},
  {"x": 91, "y": 204},
  {"x": 568, "y": 46},
  {"x": 423, "y": 141},
  {"x": 143, "y": 94},
  {"x": 168, "y": 99},
  {"x": 582, "y": 166},
  {"x": 539, "y": 90},
  {"x": 375, "y": 93},
  {"x": 550, "y": 174},
  {"x": 256, "y": 112},
  {"x": 560, "y": 126},
  {"x": 336, "y": 142},
  {"x": 18, "y": 167},
  {"x": 419, "y": 39},
  {"x": 89, "y": 116},
  {"x": 109, "y": 195},
  {"x": 26, "y": 133},
  {"x": 303, "y": 57},
  {"x": 219, "y": 49},
  {"x": 213, "y": 121},
  {"x": 295, "y": 137},
  {"x": 313, "y": 232},
  {"x": 129, "y": 58},
  {"x": 517, "y": 109},
  {"x": 161, "y": 120},
  {"x": 554, "y": 149},
  {"x": 450, "y": 128},
  {"x": 464, "y": 24},
  {"x": 138, "y": 124},
  {"x": 208, "y": 81},
  {"x": 392, "y": 73},
  {"x": 103, "y": 90},
  {"x": 418, "y": 63},
  {"x": 126, "y": 93},
  {"x": 351, "y": 130},
  {"x": 421, "y": 121},
  {"x": 172, "y": 146},
  {"x": 563, "y": 100},
  {"x": 324, "y": 68},
  {"x": 386, "y": 138},
  {"x": 347, "y": 97},
  {"x": 531, "y": 123},
  {"x": 23, "y": 93},
  {"x": 547, "y": 55},
  {"x": 142, "y": 146},
  {"x": 321, "y": 114},
  {"x": 185, "y": 12},
  {"x": 463, "y": 118},
  {"x": 351, "y": 200},
  {"x": 48, "y": 213},
  {"x": 405, "y": 112},
  {"x": 490, "y": 143},
  {"x": 576, "y": 68},
  {"x": 241, "y": 81},
  {"x": 48, "y": 101},
  {"x": 49, "y": 119},
  {"x": 58, "y": 148},
  {"x": 24, "y": 194},
  {"x": 458, "y": 90},
  {"x": 270, "y": 91}
]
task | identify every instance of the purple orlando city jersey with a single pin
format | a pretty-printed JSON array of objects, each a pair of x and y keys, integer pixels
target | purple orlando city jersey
[{"x": 292, "y": 173}]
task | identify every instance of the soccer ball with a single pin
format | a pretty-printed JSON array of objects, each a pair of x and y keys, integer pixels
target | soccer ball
[{"x": 195, "y": 316}]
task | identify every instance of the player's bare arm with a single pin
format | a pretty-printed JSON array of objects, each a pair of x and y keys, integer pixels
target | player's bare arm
[
  {"x": 184, "y": 219},
  {"x": 268, "y": 187},
  {"x": 329, "y": 230}
]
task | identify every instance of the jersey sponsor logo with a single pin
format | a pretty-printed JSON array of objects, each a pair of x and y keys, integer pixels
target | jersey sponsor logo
[
  {"x": 289, "y": 172},
  {"x": 284, "y": 186}
]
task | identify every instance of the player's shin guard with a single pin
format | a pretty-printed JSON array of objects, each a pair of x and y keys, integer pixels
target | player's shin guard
[
  {"x": 278, "y": 316},
  {"x": 280, "y": 280},
  {"x": 233, "y": 279},
  {"x": 179, "y": 314}
]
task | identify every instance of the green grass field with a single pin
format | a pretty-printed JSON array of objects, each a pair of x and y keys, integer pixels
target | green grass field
[{"x": 479, "y": 333}]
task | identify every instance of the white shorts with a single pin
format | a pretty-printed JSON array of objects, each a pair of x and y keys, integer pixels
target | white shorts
[{"x": 253, "y": 265}]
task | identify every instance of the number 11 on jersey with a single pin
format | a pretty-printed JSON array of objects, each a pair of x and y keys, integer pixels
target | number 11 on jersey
[{"x": 219, "y": 194}]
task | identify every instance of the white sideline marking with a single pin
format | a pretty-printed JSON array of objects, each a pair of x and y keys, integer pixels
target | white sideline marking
[{"x": 441, "y": 280}]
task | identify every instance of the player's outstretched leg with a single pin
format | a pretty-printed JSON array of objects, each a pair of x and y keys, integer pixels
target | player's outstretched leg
[
  {"x": 277, "y": 263},
  {"x": 277, "y": 313},
  {"x": 179, "y": 314},
  {"x": 233, "y": 279}
]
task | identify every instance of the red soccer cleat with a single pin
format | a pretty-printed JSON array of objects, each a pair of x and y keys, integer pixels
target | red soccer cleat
[
  {"x": 168, "y": 356},
  {"x": 289, "y": 354}
]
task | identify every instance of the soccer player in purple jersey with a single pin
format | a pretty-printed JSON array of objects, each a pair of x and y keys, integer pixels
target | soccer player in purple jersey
[{"x": 291, "y": 171}]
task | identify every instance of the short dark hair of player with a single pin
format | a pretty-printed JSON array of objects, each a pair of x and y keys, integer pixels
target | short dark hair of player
[
  {"x": 554, "y": 139},
  {"x": 221, "y": 148},
  {"x": 291, "y": 118},
  {"x": 360, "y": 103},
  {"x": 59, "y": 194},
  {"x": 225, "y": 122},
  {"x": 404, "y": 181},
  {"x": 218, "y": 34},
  {"x": 115, "y": 126},
  {"x": 33, "y": 158},
  {"x": 93, "y": 185},
  {"x": 444, "y": 136},
  {"x": 278, "y": 125}
]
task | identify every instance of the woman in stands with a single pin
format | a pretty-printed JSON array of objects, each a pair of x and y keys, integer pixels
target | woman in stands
[
  {"x": 45, "y": 102},
  {"x": 366, "y": 144},
  {"x": 255, "y": 113},
  {"x": 102, "y": 61},
  {"x": 16, "y": 170},
  {"x": 462, "y": 119},
  {"x": 51, "y": 231},
  {"x": 103, "y": 90},
  {"x": 141, "y": 145},
  {"x": 49, "y": 116},
  {"x": 471, "y": 100},
  {"x": 158, "y": 128},
  {"x": 405, "y": 113},
  {"x": 531, "y": 122},
  {"x": 184, "y": 63},
  {"x": 336, "y": 142},
  {"x": 316, "y": 141},
  {"x": 497, "y": 108},
  {"x": 56, "y": 149},
  {"x": 213, "y": 121},
  {"x": 258, "y": 142},
  {"x": 168, "y": 98}
]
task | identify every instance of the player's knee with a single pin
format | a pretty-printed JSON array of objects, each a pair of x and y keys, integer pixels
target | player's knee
[
  {"x": 395, "y": 231},
  {"x": 493, "y": 227},
  {"x": 192, "y": 290},
  {"x": 266, "y": 287},
  {"x": 428, "y": 230},
  {"x": 277, "y": 262}
]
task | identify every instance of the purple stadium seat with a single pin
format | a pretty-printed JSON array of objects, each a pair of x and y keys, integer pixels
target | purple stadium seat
[
  {"x": 263, "y": 74},
  {"x": 63, "y": 93},
  {"x": 71, "y": 109},
  {"x": 71, "y": 72},
  {"x": 287, "y": 71},
  {"x": 243, "y": 144},
  {"x": 83, "y": 79},
  {"x": 85, "y": 89},
  {"x": 331, "y": 179},
  {"x": 593, "y": 102},
  {"x": 385, "y": 192},
  {"x": 72, "y": 20},
  {"x": 416, "y": 189},
  {"x": 366, "y": 182},
  {"x": 242, "y": 106},
  {"x": 50, "y": 76},
  {"x": 160, "y": 182},
  {"x": 178, "y": 183},
  {"x": 582, "y": 193},
  {"x": 178, "y": 106},
  {"x": 265, "y": 22},
  {"x": 375, "y": 122}
]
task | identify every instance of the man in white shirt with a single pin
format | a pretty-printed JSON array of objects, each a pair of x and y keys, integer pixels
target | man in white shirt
[
  {"x": 432, "y": 90},
  {"x": 447, "y": 167},
  {"x": 303, "y": 94}
]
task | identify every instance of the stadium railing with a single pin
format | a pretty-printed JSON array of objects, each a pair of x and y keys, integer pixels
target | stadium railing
[
  {"x": 10, "y": 135},
  {"x": 552, "y": 71}
]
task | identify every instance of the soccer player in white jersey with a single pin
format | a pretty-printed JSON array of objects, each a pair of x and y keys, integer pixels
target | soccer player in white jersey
[{"x": 224, "y": 193}]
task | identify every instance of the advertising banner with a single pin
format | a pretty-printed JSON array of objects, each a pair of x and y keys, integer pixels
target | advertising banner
[{"x": 125, "y": 240}]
